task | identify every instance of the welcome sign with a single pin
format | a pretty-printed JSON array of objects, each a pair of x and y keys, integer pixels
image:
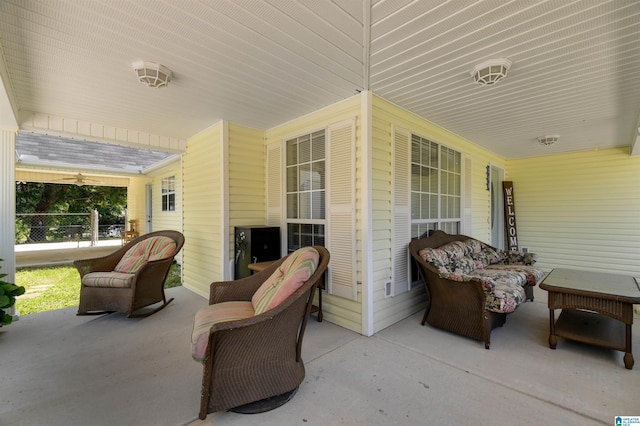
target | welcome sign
[{"x": 510, "y": 216}]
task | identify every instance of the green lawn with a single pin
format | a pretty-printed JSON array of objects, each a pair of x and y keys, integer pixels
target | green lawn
[{"x": 58, "y": 287}]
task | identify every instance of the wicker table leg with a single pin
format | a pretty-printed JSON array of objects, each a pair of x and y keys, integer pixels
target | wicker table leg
[{"x": 552, "y": 329}]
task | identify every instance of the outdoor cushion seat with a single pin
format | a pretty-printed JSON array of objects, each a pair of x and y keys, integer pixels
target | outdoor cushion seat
[
  {"x": 249, "y": 338},
  {"x": 108, "y": 279},
  {"x": 131, "y": 278}
]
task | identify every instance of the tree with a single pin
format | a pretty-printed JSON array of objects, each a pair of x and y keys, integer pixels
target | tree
[{"x": 35, "y": 197}]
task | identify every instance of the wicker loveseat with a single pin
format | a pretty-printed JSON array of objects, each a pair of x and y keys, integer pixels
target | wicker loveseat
[{"x": 471, "y": 285}]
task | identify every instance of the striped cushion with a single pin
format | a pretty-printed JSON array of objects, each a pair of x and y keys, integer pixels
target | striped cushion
[
  {"x": 285, "y": 280},
  {"x": 153, "y": 248},
  {"x": 108, "y": 279},
  {"x": 206, "y": 317}
]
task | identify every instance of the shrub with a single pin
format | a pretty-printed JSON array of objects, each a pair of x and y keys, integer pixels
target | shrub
[{"x": 8, "y": 293}]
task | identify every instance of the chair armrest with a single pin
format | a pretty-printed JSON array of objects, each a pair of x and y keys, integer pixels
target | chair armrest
[
  {"x": 242, "y": 288},
  {"x": 98, "y": 264}
]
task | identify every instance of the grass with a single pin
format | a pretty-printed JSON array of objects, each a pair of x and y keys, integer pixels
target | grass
[{"x": 58, "y": 287}]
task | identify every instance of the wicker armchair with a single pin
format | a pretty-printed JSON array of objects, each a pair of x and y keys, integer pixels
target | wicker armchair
[
  {"x": 254, "y": 364},
  {"x": 457, "y": 306},
  {"x": 104, "y": 289}
]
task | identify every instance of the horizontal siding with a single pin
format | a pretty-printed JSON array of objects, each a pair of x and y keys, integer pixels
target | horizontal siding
[
  {"x": 202, "y": 192},
  {"x": 247, "y": 179},
  {"x": 580, "y": 210},
  {"x": 136, "y": 205},
  {"x": 167, "y": 219},
  {"x": 385, "y": 115},
  {"x": 343, "y": 312}
]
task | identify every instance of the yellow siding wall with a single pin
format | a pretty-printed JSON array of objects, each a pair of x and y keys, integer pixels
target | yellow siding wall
[
  {"x": 202, "y": 210},
  {"x": 246, "y": 179},
  {"x": 580, "y": 210},
  {"x": 338, "y": 310},
  {"x": 385, "y": 115},
  {"x": 136, "y": 202},
  {"x": 166, "y": 219}
]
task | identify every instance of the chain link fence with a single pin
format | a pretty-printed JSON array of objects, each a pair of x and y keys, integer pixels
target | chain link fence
[{"x": 35, "y": 228}]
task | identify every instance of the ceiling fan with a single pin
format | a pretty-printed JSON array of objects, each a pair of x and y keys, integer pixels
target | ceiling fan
[{"x": 81, "y": 179}]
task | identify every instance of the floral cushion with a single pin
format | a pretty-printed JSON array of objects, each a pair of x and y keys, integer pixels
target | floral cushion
[
  {"x": 532, "y": 274},
  {"x": 502, "y": 294},
  {"x": 213, "y": 314},
  {"x": 502, "y": 274},
  {"x": 519, "y": 258},
  {"x": 504, "y": 298},
  {"x": 507, "y": 277},
  {"x": 153, "y": 248},
  {"x": 450, "y": 258},
  {"x": 436, "y": 258},
  {"x": 285, "y": 280},
  {"x": 108, "y": 279}
]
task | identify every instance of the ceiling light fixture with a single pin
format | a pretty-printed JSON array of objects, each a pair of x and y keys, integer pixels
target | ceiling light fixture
[
  {"x": 548, "y": 140},
  {"x": 490, "y": 72},
  {"x": 152, "y": 74}
]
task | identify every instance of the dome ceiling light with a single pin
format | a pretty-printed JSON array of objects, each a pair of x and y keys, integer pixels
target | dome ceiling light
[
  {"x": 490, "y": 72},
  {"x": 548, "y": 140},
  {"x": 152, "y": 74}
]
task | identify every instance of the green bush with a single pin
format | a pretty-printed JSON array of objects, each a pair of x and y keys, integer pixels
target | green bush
[{"x": 8, "y": 293}]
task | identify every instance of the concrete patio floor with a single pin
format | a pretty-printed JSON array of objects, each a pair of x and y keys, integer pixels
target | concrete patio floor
[{"x": 61, "y": 369}]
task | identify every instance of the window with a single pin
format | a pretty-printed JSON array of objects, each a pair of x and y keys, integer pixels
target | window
[
  {"x": 306, "y": 191},
  {"x": 435, "y": 187},
  {"x": 169, "y": 194}
]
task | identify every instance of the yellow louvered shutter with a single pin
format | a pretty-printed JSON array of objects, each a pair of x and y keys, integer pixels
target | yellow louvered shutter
[
  {"x": 341, "y": 209},
  {"x": 401, "y": 226}
]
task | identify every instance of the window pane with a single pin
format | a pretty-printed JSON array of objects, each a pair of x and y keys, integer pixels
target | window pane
[
  {"x": 317, "y": 203},
  {"x": 293, "y": 235},
  {"x": 415, "y": 177},
  {"x": 415, "y": 205},
  {"x": 424, "y": 211},
  {"x": 305, "y": 177},
  {"x": 424, "y": 179},
  {"x": 306, "y": 235},
  {"x": 318, "y": 235},
  {"x": 292, "y": 206},
  {"x": 292, "y": 179},
  {"x": 305, "y": 205},
  {"x": 317, "y": 170},
  {"x": 415, "y": 149},
  {"x": 292, "y": 152},
  {"x": 304, "y": 149},
  {"x": 434, "y": 207},
  {"x": 433, "y": 179},
  {"x": 318, "y": 146}
]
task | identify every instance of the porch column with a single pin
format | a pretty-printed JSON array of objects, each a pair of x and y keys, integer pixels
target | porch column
[{"x": 8, "y": 206}]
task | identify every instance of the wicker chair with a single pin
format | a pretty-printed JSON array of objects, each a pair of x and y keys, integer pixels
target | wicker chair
[
  {"x": 254, "y": 364},
  {"x": 136, "y": 290},
  {"x": 458, "y": 307}
]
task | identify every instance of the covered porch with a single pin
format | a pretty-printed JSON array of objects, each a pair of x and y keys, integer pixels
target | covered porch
[{"x": 60, "y": 369}]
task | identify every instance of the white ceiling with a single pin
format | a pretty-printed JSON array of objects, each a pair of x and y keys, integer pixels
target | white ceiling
[{"x": 576, "y": 64}]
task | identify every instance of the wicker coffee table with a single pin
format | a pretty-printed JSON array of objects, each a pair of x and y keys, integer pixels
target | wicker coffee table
[{"x": 597, "y": 308}]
